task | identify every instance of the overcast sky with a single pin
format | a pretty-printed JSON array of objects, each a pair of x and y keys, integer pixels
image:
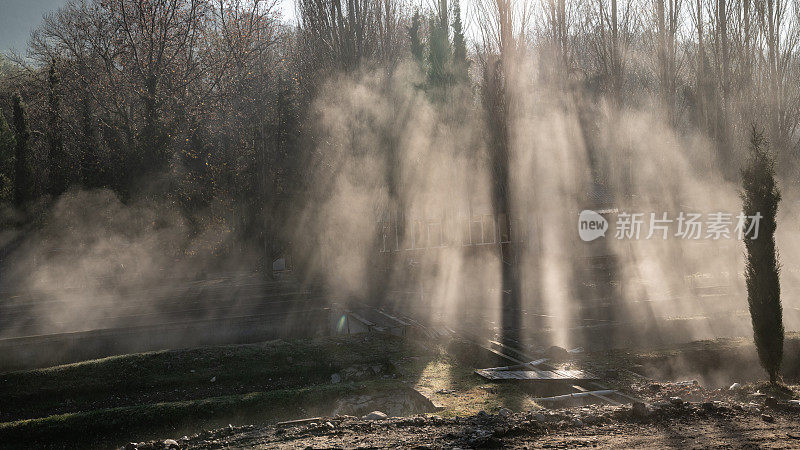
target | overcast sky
[{"x": 19, "y": 17}]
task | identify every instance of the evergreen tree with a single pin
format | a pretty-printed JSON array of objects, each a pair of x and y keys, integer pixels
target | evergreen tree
[
  {"x": 439, "y": 49},
  {"x": 460, "y": 62},
  {"x": 60, "y": 174},
  {"x": 23, "y": 178},
  {"x": 91, "y": 172},
  {"x": 760, "y": 197},
  {"x": 7, "y": 149},
  {"x": 415, "y": 36}
]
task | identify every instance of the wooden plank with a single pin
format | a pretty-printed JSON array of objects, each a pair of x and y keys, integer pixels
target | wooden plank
[
  {"x": 595, "y": 394},
  {"x": 565, "y": 397},
  {"x": 632, "y": 399},
  {"x": 533, "y": 374}
]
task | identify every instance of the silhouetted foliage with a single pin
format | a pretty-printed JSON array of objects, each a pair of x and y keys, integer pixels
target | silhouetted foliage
[
  {"x": 23, "y": 178},
  {"x": 7, "y": 150},
  {"x": 61, "y": 170},
  {"x": 415, "y": 36},
  {"x": 460, "y": 61},
  {"x": 760, "y": 198}
]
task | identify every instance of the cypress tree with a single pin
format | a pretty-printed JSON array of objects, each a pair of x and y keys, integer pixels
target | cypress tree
[
  {"x": 414, "y": 35},
  {"x": 23, "y": 178},
  {"x": 439, "y": 51},
  {"x": 7, "y": 149},
  {"x": 760, "y": 197},
  {"x": 460, "y": 62},
  {"x": 91, "y": 173},
  {"x": 59, "y": 165}
]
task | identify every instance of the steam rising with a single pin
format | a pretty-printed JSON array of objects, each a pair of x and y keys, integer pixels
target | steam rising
[
  {"x": 399, "y": 215},
  {"x": 567, "y": 151}
]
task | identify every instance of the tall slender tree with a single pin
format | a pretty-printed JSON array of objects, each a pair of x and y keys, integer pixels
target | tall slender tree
[
  {"x": 90, "y": 167},
  {"x": 60, "y": 173},
  {"x": 460, "y": 61},
  {"x": 415, "y": 36},
  {"x": 439, "y": 48},
  {"x": 23, "y": 178},
  {"x": 760, "y": 197},
  {"x": 7, "y": 150}
]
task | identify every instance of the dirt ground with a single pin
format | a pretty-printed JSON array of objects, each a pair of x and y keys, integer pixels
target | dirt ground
[
  {"x": 676, "y": 410},
  {"x": 688, "y": 426}
]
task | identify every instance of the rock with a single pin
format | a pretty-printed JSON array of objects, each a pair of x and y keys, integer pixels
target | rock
[
  {"x": 556, "y": 353},
  {"x": 640, "y": 410},
  {"x": 767, "y": 418},
  {"x": 171, "y": 443},
  {"x": 483, "y": 415},
  {"x": 375, "y": 415},
  {"x": 213, "y": 379},
  {"x": 677, "y": 401},
  {"x": 735, "y": 387},
  {"x": 505, "y": 412},
  {"x": 330, "y": 425},
  {"x": 771, "y": 402},
  {"x": 539, "y": 417},
  {"x": 131, "y": 446},
  {"x": 336, "y": 378},
  {"x": 592, "y": 419},
  {"x": 752, "y": 408},
  {"x": 655, "y": 387},
  {"x": 577, "y": 422}
]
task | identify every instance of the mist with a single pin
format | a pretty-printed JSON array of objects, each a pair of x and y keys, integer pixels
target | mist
[{"x": 404, "y": 164}]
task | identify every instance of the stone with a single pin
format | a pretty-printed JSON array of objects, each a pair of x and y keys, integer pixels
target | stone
[
  {"x": 336, "y": 378},
  {"x": 677, "y": 401},
  {"x": 171, "y": 444},
  {"x": 640, "y": 410},
  {"x": 767, "y": 418},
  {"x": 592, "y": 419},
  {"x": 735, "y": 387},
  {"x": 505, "y": 412},
  {"x": 771, "y": 402},
  {"x": 131, "y": 446},
  {"x": 556, "y": 353},
  {"x": 539, "y": 417},
  {"x": 375, "y": 415}
]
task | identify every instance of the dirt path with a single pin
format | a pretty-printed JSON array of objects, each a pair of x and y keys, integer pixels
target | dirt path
[{"x": 688, "y": 426}]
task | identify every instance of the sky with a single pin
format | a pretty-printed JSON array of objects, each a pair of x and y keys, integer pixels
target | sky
[{"x": 19, "y": 17}]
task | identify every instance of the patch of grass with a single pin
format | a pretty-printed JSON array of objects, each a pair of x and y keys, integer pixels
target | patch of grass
[
  {"x": 105, "y": 427},
  {"x": 178, "y": 375},
  {"x": 450, "y": 382}
]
